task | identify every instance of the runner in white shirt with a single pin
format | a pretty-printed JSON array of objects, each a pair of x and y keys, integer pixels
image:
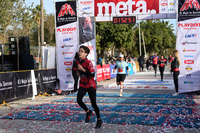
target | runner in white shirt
[{"x": 121, "y": 66}]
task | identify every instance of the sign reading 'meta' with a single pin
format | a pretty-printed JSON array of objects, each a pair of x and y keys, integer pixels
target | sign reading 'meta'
[{"x": 105, "y": 8}]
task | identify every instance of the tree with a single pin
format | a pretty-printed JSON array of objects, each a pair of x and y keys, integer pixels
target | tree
[
  {"x": 158, "y": 35},
  {"x": 111, "y": 35},
  {"x": 6, "y": 16},
  {"x": 49, "y": 29}
]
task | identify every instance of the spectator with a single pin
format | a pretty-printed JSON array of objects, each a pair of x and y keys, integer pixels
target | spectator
[{"x": 141, "y": 63}]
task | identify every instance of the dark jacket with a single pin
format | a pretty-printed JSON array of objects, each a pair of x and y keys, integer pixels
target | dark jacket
[
  {"x": 141, "y": 60},
  {"x": 175, "y": 64}
]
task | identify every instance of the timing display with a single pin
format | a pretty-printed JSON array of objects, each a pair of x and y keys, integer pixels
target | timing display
[{"x": 124, "y": 20}]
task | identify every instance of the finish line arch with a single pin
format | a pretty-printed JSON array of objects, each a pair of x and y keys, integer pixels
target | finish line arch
[{"x": 75, "y": 24}]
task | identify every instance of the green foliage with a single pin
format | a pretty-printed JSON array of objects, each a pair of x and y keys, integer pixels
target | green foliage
[{"x": 109, "y": 34}]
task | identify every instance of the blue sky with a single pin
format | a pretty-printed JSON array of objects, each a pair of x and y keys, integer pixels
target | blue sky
[{"x": 49, "y": 7}]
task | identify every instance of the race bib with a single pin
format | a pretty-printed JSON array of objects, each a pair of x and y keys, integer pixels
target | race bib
[{"x": 120, "y": 70}]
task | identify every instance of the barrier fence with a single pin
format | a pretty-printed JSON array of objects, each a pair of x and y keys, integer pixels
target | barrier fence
[
  {"x": 106, "y": 71},
  {"x": 18, "y": 85}
]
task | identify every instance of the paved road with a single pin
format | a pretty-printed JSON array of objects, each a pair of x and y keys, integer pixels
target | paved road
[{"x": 140, "y": 83}]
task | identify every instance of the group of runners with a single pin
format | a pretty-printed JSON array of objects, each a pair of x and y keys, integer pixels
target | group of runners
[{"x": 84, "y": 69}]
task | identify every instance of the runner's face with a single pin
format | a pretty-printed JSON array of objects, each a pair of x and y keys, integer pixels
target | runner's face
[
  {"x": 121, "y": 58},
  {"x": 162, "y": 57},
  {"x": 82, "y": 54}
]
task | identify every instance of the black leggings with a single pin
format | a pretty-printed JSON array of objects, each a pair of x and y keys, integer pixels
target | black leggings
[
  {"x": 155, "y": 68},
  {"x": 92, "y": 95},
  {"x": 161, "y": 71},
  {"x": 75, "y": 76},
  {"x": 175, "y": 76}
]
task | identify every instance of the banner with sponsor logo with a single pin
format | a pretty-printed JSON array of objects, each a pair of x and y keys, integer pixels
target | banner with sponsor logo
[
  {"x": 86, "y": 7},
  {"x": 87, "y": 37},
  {"x": 66, "y": 42},
  {"x": 7, "y": 89},
  {"x": 188, "y": 45},
  {"x": 145, "y": 9}
]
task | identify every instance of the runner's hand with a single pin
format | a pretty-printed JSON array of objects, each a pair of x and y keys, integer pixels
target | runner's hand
[{"x": 80, "y": 68}]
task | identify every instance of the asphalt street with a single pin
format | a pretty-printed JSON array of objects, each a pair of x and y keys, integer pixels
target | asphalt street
[{"x": 143, "y": 83}]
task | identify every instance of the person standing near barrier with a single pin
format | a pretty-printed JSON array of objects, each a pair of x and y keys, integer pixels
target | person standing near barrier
[
  {"x": 121, "y": 67},
  {"x": 170, "y": 58},
  {"x": 87, "y": 84},
  {"x": 175, "y": 69},
  {"x": 161, "y": 63},
  {"x": 141, "y": 61},
  {"x": 155, "y": 62}
]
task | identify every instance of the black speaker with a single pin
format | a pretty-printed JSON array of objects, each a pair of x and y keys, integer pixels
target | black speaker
[
  {"x": 24, "y": 45},
  {"x": 26, "y": 62},
  {"x": 10, "y": 63}
]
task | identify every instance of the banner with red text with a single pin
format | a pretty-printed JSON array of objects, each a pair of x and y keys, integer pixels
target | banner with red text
[
  {"x": 188, "y": 45},
  {"x": 66, "y": 42},
  {"x": 142, "y": 9}
]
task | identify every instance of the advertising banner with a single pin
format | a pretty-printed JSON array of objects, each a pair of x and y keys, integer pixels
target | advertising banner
[
  {"x": 99, "y": 73},
  {"x": 106, "y": 71},
  {"x": 145, "y": 9},
  {"x": 130, "y": 69},
  {"x": 7, "y": 83},
  {"x": 24, "y": 84},
  {"x": 86, "y": 7},
  {"x": 188, "y": 45},
  {"x": 112, "y": 75},
  {"x": 87, "y": 37},
  {"x": 48, "y": 80},
  {"x": 66, "y": 42}
]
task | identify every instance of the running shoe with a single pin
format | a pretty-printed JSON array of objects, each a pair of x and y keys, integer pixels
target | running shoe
[
  {"x": 88, "y": 115},
  {"x": 99, "y": 123}
]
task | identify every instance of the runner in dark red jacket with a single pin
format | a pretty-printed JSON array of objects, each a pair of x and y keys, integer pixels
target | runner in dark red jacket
[
  {"x": 162, "y": 63},
  {"x": 87, "y": 83}
]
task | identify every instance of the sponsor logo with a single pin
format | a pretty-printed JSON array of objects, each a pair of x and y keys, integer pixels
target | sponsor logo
[
  {"x": 188, "y": 82},
  {"x": 67, "y": 39},
  {"x": 163, "y": 4},
  {"x": 186, "y": 42},
  {"x": 171, "y": 9},
  {"x": 63, "y": 46},
  {"x": 188, "y": 68},
  {"x": 190, "y": 35},
  {"x": 188, "y": 76},
  {"x": 123, "y": 8},
  {"x": 163, "y": 9},
  {"x": 68, "y": 82},
  {"x": 69, "y": 76},
  {"x": 67, "y": 58},
  {"x": 68, "y": 69},
  {"x": 87, "y": 8},
  {"x": 65, "y": 10},
  {"x": 171, "y": 4},
  {"x": 189, "y": 50},
  {"x": 86, "y": 2},
  {"x": 67, "y": 53},
  {"x": 191, "y": 26},
  {"x": 87, "y": 23},
  {"x": 189, "y": 61},
  {"x": 68, "y": 63},
  {"x": 190, "y": 4},
  {"x": 66, "y": 30},
  {"x": 188, "y": 56}
]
